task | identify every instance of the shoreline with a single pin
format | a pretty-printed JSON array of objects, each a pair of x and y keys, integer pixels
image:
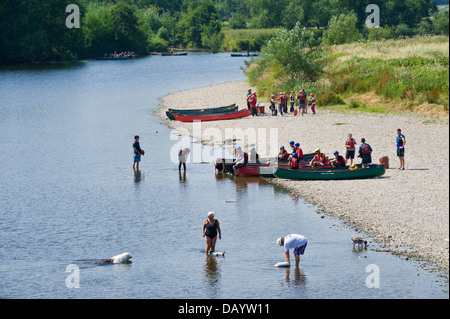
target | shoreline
[{"x": 404, "y": 211}]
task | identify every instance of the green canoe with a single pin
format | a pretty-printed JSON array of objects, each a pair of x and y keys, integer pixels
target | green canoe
[{"x": 328, "y": 173}]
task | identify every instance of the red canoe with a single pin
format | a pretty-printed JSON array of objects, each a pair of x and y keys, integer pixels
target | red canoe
[{"x": 212, "y": 117}]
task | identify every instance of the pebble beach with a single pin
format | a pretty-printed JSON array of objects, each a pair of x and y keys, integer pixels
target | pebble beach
[{"x": 405, "y": 211}]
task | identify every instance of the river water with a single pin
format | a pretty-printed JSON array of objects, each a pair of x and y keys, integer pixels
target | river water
[{"x": 68, "y": 197}]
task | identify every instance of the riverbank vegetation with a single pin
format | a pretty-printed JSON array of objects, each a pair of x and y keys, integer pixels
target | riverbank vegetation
[
  {"x": 36, "y": 30},
  {"x": 395, "y": 74}
]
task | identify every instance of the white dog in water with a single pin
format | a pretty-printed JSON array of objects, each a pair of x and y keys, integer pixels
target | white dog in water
[{"x": 119, "y": 259}]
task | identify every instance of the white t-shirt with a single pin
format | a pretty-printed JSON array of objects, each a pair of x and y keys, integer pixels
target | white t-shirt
[{"x": 294, "y": 241}]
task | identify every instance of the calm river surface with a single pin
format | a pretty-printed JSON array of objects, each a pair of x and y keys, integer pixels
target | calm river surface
[{"x": 68, "y": 196}]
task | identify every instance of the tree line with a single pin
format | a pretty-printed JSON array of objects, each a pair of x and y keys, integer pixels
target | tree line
[{"x": 36, "y": 30}]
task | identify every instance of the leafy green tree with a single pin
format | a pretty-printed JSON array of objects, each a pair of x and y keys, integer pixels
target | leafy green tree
[
  {"x": 124, "y": 26},
  {"x": 342, "y": 29},
  {"x": 199, "y": 22},
  {"x": 441, "y": 23},
  {"x": 295, "y": 51}
]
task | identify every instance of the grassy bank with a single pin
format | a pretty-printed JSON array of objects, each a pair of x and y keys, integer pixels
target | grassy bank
[
  {"x": 246, "y": 39},
  {"x": 408, "y": 74}
]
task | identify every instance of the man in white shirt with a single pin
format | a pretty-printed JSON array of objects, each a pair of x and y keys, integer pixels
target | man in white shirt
[{"x": 298, "y": 242}]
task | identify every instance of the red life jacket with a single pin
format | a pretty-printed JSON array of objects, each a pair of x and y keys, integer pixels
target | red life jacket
[
  {"x": 365, "y": 149},
  {"x": 350, "y": 143},
  {"x": 300, "y": 153},
  {"x": 320, "y": 157},
  {"x": 294, "y": 163}
]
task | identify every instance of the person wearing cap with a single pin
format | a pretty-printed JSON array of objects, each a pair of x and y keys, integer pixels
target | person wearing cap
[
  {"x": 283, "y": 155},
  {"x": 249, "y": 92},
  {"x": 299, "y": 151},
  {"x": 293, "y": 161},
  {"x": 210, "y": 230},
  {"x": 241, "y": 160},
  {"x": 338, "y": 161},
  {"x": 292, "y": 145},
  {"x": 253, "y": 157},
  {"x": 296, "y": 242},
  {"x": 182, "y": 157},
  {"x": 252, "y": 103},
  {"x": 319, "y": 159},
  {"x": 272, "y": 106},
  {"x": 365, "y": 151}
]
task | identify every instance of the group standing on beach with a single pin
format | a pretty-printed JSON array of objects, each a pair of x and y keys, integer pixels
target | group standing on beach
[{"x": 279, "y": 104}]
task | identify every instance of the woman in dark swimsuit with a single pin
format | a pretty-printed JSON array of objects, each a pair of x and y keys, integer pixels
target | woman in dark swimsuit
[{"x": 210, "y": 229}]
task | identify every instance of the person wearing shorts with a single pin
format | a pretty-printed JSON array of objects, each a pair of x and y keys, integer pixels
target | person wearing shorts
[
  {"x": 137, "y": 153},
  {"x": 350, "y": 149},
  {"x": 401, "y": 148},
  {"x": 296, "y": 242}
]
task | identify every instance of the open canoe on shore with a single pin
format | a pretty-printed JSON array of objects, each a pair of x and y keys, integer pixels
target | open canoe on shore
[
  {"x": 214, "y": 110},
  {"x": 326, "y": 173},
  {"x": 213, "y": 117}
]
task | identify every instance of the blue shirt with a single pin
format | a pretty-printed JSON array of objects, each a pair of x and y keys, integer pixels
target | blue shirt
[{"x": 400, "y": 140}]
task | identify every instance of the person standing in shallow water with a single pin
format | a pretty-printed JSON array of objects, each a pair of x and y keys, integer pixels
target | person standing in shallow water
[
  {"x": 137, "y": 153},
  {"x": 210, "y": 230}
]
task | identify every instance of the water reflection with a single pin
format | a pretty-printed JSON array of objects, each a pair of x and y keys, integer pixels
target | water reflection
[
  {"x": 299, "y": 277},
  {"x": 212, "y": 275},
  {"x": 182, "y": 176},
  {"x": 137, "y": 176}
]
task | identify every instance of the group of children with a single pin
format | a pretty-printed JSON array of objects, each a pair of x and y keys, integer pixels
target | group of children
[
  {"x": 280, "y": 105},
  {"x": 296, "y": 156}
]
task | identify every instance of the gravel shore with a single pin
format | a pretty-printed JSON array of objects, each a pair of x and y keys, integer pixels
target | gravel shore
[{"x": 405, "y": 211}]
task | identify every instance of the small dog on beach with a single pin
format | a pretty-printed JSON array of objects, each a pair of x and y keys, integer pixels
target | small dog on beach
[
  {"x": 358, "y": 241},
  {"x": 119, "y": 259}
]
